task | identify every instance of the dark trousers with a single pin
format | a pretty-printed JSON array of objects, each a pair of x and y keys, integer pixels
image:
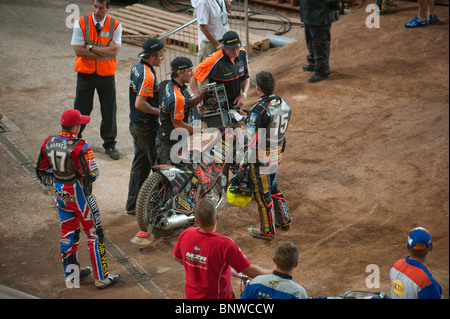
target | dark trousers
[
  {"x": 318, "y": 42},
  {"x": 84, "y": 101},
  {"x": 165, "y": 153},
  {"x": 144, "y": 159}
]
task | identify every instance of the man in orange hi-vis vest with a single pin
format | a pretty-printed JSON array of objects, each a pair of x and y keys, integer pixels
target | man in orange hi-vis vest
[{"x": 96, "y": 41}]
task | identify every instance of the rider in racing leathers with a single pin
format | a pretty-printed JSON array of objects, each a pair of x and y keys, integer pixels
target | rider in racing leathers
[
  {"x": 268, "y": 121},
  {"x": 70, "y": 163}
]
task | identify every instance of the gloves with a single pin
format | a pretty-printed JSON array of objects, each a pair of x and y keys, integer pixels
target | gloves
[
  {"x": 235, "y": 114},
  {"x": 45, "y": 177},
  {"x": 240, "y": 174}
]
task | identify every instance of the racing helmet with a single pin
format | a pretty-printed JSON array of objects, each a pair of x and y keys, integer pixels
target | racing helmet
[{"x": 239, "y": 194}]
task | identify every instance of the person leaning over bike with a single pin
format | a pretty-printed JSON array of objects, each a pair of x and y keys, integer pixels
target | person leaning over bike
[
  {"x": 269, "y": 117},
  {"x": 228, "y": 66},
  {"x": 175, "y": 108}
]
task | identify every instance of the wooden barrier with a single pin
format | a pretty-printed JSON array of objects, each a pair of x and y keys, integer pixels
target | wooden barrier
[{"x": 140, "y": 22}]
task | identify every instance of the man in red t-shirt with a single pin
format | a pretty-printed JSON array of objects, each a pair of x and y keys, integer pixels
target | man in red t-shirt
[{"x": 209, "y": 257}]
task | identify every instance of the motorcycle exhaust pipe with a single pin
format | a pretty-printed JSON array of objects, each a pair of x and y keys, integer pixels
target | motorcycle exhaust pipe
[{"x": 176, "y": 221}]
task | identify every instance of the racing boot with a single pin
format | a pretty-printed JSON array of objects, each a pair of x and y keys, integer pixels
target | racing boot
[
  {"x": 255, "y": 232},
  {"x": 387, "y": 7},
  {"x": 282, "y": 219},
  {"x": 284, "y": 227},
  {"x": 85, "y": 272},
  {"x": 108, "y": 281}
]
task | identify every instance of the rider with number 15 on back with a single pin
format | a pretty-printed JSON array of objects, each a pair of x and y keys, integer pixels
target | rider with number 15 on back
[{"x": 270, "y": 117}]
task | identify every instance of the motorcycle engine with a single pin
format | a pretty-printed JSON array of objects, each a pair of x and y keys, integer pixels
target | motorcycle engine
[{"x": 216, "y": 103}]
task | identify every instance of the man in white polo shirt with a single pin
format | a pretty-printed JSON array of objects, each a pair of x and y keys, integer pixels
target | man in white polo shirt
[{"x": 212, "y": 21}]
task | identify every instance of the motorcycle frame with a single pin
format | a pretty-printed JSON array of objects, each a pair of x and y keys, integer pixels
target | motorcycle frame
[{"x": 206, "y": 173}]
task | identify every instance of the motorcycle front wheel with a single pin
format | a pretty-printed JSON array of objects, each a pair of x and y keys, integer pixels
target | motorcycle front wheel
[{"x": 150, "y": 204}]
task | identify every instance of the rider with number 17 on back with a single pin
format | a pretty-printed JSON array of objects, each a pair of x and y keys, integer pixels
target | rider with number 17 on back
[{"x": 69, "y": 162}]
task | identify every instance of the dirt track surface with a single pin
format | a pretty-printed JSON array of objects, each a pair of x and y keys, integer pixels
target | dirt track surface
[{"x": 366, "y": 161}]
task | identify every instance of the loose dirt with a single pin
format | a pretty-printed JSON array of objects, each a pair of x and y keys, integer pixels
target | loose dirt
[{"x": 366, "y": 159}]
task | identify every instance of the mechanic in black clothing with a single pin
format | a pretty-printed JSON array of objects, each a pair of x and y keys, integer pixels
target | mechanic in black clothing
[
  {"x": 228, "y": 66},
  {"x": 175, "y": 107},
  {"x": 144, "y": 115},
  {"x": 317, "y": 16}
]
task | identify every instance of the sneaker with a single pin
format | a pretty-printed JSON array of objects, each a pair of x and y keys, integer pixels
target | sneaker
[
  {"x": 113, "y": 153},
  {"x": 432, "y": 19},
  {"x": 130, "y": 212},
  {"x": 317, "y": 78},
  {"x": 108, "y": 281},
  {"x": 416, "y": 22},
  {"x": 255, "y": 232},
  {"x": 308, "y": 68},
  {"x": 85, "y": 272}
]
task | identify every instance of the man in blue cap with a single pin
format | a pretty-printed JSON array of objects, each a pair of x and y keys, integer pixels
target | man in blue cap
[{"x": 410, "y": 277}]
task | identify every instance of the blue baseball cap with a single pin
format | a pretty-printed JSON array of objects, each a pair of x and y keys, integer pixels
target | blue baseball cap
[
  {"x": 181, "y": 63},
  {"x": 419, "y": 238},
  {"x": 150, "y": 46}
]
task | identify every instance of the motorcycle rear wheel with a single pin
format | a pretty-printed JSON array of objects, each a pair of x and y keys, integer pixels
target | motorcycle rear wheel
[{"x": 154, "y": 193}]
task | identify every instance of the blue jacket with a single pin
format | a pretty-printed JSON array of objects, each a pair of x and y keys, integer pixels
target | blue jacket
[
  {"x": 319, "y": 12},
  {"x": 410, "y": 279},
  {"x": 274, "y": 286}
]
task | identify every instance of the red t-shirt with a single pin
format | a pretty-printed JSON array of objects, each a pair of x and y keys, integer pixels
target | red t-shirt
[{"x": 207, "y": 260}]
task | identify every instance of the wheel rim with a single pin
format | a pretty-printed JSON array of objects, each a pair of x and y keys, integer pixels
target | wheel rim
[{"x": 158, "y": 200}]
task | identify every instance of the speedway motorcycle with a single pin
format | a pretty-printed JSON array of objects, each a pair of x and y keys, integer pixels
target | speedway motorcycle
[{"x": 167, "y": 199}]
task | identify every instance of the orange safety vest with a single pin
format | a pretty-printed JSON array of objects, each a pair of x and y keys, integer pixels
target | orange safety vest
[{"x": 103, "y": 66}]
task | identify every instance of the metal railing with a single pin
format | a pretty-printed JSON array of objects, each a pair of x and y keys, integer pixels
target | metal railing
[{"x": 183, "y": 40}]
